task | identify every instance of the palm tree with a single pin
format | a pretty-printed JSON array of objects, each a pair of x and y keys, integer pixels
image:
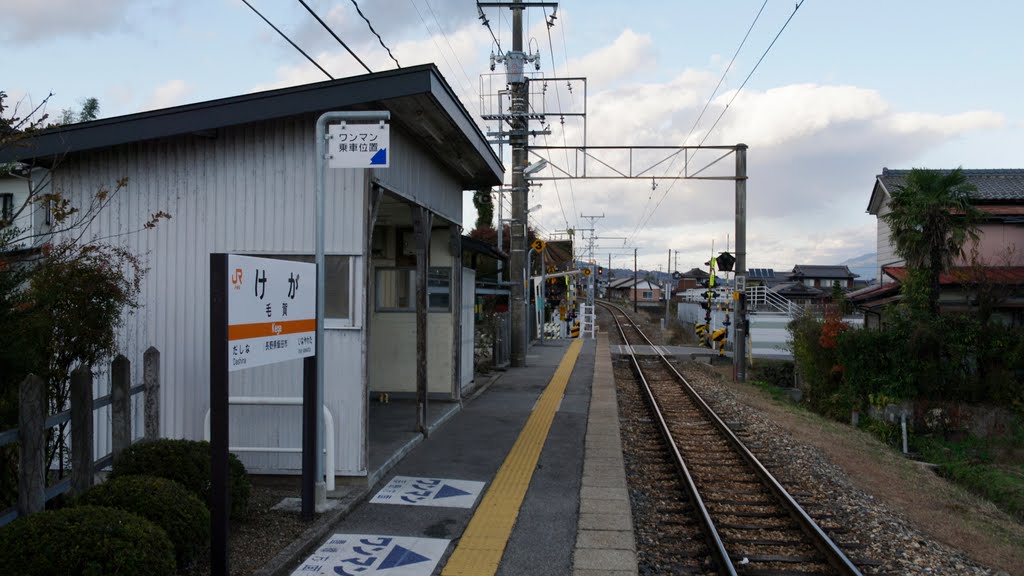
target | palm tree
[{"x": 931, "y": 219}]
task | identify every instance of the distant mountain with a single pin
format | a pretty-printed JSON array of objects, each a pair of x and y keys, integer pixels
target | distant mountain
[{"x": 866, "y": 266}]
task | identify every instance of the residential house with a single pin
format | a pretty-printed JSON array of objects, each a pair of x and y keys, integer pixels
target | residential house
[
  {"x": 999, "y": 195},
  {"x": 641, "y": 291},
  {"x": 823, "y": 277}
]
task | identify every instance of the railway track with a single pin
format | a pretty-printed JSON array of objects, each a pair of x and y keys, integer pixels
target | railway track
[{"x": 736, "y": 517}]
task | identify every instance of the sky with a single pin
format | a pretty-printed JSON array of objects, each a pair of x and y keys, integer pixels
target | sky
[{"x": 847, "y": 89}]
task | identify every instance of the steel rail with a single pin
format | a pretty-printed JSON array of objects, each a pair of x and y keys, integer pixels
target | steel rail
[
  {"x": 717, "y": 546},
  {"x": 833, "y": 554}
]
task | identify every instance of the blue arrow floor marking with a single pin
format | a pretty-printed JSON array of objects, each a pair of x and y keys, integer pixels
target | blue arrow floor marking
[
  {"x": 400, "y": 556},
  {"x": 381, "y": 157},
  {"x": 447, "y": 491}
]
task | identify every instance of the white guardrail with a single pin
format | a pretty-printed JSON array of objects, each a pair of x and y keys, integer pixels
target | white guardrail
[{"x": 282, "y": 401}]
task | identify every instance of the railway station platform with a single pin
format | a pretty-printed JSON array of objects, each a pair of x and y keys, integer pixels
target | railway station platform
[{"x": 526, "y": 477}]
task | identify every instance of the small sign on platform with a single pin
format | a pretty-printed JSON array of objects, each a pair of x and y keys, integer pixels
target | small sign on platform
[
  {"x": 429, "y": 492},
  {"x": 366, "y": 554},
  {"x": 352, "y": 145}
]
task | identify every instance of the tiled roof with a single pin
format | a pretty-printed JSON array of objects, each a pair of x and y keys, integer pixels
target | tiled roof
[
  {"x": 995, "y": 184},
  {"x": 961, "y": 274},
  {"x": 816, "y": 271}
]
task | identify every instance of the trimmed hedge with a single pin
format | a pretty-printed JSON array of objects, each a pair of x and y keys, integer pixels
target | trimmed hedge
[
  {"x": 85, "y": 541},
  {"x": 163, "y": 502},
  {"x": 187, "y": 462}
]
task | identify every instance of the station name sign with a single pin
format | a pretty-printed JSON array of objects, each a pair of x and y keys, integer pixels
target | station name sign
[{"x": 271, "y": 311}]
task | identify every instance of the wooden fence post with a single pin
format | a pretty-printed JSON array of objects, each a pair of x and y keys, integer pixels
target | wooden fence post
[
  {"x": 120, "y": 404},
  {"x": 81, "y": 429},
  {"x": 32, "y": 449},
  {"x": 151, "y": 382}
]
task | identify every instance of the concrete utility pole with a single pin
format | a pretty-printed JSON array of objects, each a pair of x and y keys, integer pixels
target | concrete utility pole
[
  {"x": 517, "y": 137},
  {"x": 592, "y": 283},
  {"x": 740, "y": 351}
]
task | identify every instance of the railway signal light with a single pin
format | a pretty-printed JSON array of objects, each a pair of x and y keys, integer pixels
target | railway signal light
[
  {"x": 725, "y": 261},
  {"x": 600, "y": 270}
]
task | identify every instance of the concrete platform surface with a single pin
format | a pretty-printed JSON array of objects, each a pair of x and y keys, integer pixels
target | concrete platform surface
[{"x": 573, "y": 518}]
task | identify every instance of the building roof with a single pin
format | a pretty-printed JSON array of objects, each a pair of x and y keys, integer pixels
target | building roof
[
  {"x": 1007, "y": 275},
  {"x": 816, "y": 271},
  {"x": 992, "y": 185},
  {"x": 696, "y": 273},
  {"x": 471, "y": 244},
  {"x": 798, "y": 290},
  {"x": 418, "y": 97}
]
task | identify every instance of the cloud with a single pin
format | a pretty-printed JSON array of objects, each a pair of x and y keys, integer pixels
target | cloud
[
  {"x": 170, "y": 93},
  {"x": 629, "y": 54},
  {"x": 43, "y": 20}
]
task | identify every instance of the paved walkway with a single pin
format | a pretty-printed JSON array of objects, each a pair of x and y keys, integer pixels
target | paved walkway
[{"x": 527, "y": 478}]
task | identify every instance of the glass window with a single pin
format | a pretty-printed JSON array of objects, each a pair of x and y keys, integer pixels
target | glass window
[
  {"x": 439, "y": 281},
  {"x": 396, "y": 289},
  {"x": 337, "y": 283},
  {"x": 648, "y": 295}
]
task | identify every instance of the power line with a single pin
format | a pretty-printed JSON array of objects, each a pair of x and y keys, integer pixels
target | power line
[
  {"x": 735, "y": 94},
  {"x": 438, "y": 46},
  {"x": 379, "y": 39},
  {"x": 726, "y": 109},
  {"x": 328, "y": 28},
  {"x": 454, "y": 53},
  {"x": 558, "y": 98},
  {"x": 487, "y": 23},
  {"x": 294, "y": 45},
  {"x": 701, "y": 115}
]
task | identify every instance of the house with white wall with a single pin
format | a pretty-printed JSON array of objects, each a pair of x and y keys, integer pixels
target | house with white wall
[{"x": 237, "y": 175}]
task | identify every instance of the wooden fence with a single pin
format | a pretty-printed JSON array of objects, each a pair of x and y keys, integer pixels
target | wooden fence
[{"x": 33, "y": 424}]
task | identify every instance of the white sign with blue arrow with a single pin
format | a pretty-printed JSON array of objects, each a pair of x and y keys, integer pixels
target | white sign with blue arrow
[
  {"x": 368, "y": 554},
  {"x": 429, "y": 492},
  {"x": 363, "y": 145}
]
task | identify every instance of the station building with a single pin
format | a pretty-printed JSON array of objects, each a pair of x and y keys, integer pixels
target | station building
[{"x": 238, "y": 175}]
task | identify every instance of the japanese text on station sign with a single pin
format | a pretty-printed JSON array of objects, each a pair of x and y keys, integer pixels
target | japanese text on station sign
[
  {"x": 271, "y": 311},
  {"x": 358, "y": 145}
]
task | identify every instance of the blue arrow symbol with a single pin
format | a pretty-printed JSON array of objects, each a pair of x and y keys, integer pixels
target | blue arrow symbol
[
  {"x": 380, "y": 158},
  {"x": 447, "y": 491},
  {"x": 401, "y": 557}
]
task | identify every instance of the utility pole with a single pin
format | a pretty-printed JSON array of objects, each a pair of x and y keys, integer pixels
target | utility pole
[
  {"x": 592, "y": 283},
  {"x": 518, "y": 120},
  {"x": 634, "y": 279},
  {"x": 519, "y": 274},
  {"x": 668, "y": 286},
  {"x": 740, "y": 350}
]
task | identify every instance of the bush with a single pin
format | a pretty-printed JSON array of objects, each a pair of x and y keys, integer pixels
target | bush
[
  {"x": 187, "y": 462},
  {"x": 85, "y": 541},
  {"x": 777, "y": 373},
  {"x": 163, "y": 502}
]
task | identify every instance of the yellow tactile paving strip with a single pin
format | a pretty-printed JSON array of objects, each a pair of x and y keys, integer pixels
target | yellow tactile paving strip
[{"x": 483, "y": 543}]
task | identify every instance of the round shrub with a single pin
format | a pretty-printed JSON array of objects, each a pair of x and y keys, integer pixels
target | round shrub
[
  {"x": 163, "y": 502},
  {"x": 85, "y": 541},
  {"x": 187, "y": 462}
]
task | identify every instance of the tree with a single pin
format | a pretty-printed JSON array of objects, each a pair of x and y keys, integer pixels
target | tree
[
  {"x": 931, "y": 219},
  {"x": 484, "y": 205},
  {"x": 90, "y": 111},
  {"x": 62, "y": 297}
]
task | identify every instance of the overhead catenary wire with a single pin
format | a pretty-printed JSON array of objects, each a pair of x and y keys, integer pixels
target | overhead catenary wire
[
  {"x": 558, "y": 99},
  {"x": 448, "y": 42},
  {"x": 379, "y": 39},
  {"x": 283, "y": 35},
  {"x": 328, "y": 28},
  {"x": 711, "y": 97},
  {"x": 438, "y": 46},
  {"x": 487, "y": 23},
  {"x": 731, "y": 100}
]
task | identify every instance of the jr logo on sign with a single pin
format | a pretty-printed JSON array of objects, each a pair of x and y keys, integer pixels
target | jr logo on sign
[{"x": 236, "y": 279}]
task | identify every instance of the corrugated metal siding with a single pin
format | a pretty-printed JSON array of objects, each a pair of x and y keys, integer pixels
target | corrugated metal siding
[
  {"x": 250, "y": 189},
  {"x": 416, "y": 176}
]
